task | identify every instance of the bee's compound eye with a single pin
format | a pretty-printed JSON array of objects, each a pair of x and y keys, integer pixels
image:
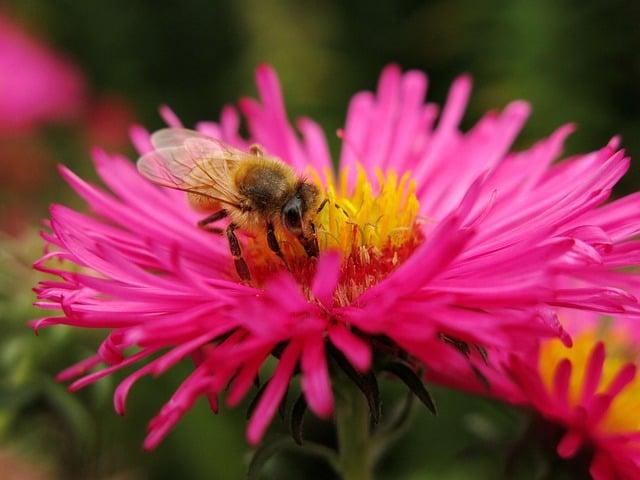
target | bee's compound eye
[{"x": 291, "y": 217}]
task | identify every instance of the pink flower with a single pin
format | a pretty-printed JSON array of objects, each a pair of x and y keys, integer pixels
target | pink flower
[
  {"x": 36, "y": 84},
  {"x": 436, "y": 246},
  {"x": 592, "y": 390},
  {"x": 108, "y": 121}
]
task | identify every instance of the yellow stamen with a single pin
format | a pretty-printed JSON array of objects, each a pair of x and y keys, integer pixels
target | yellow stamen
[{"x": 367, "y": 217}]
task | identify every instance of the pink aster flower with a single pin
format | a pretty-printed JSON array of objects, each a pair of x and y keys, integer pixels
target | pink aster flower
[
  {"x": 36, "y": 84},
  {"x": 592, "y": 391},
  {"x": 436, "y": 246}
]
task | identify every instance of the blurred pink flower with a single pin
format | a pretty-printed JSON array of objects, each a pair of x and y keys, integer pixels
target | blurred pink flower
[
  {"x": 443, "y": 245},
  {"x": 108, "y": 121},
  {"x": 591, "y": 390},
  {"x": 36, "y": 83}
]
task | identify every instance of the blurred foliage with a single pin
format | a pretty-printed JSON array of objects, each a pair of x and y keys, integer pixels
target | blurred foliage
[{"x": 573, "y": 60}]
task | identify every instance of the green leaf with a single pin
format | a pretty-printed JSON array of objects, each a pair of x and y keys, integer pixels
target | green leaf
[
  {"x": 405, "y": 373},
  {"x": 271, "y": 447},
  {"x": 297, "y": 418},
  {"x": 367, "y": 383},
  {"x": 282, "y": 407},
  {"x": 264, "y": 453}
]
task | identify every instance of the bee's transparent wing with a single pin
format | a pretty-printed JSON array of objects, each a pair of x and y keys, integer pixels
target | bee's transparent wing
[{"x": 190, "y": 161}]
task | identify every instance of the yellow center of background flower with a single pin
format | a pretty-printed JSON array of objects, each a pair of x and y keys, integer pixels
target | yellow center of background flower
[
  {"x": 373, "y": 224},
  {"x": 622, "y": 415}
]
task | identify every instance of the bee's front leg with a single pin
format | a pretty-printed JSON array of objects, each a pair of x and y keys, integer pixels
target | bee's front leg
[
  {"x": 234, "y": 245},
  {"x": 272, "y": 240},
  {"x": 310, "y": 243}
]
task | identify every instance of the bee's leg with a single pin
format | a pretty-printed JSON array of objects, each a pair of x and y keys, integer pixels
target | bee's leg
[
  {"x": 214, "y": 217},
  {"x": 234, "y": 245},
  {"x": 274, "y": 245},
  {"x": 310, "y": 243}
]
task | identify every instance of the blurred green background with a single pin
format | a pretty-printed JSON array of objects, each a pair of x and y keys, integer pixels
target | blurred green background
[{"x": 573, "y": 60}]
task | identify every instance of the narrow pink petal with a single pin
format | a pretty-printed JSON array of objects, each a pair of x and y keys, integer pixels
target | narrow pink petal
[
  {"x": 245, "y": 378},
  {"x": 593, "y": 372},
  {"x": 281, "y": 139},
  {"x": 170, "y": 117},
  {"x": 210, "y": 129},
  {"x": 315, "y": 142},
  {"x": 79, "y": 368},
  {"x": 355, "y": 131},
  {"x": 141, "y": 139},
  {"x": 598, "y": 407},
  {"x": 447, "y": 127},
  {"x": 122, "y": 390},
  {"x": 326, "y": 278},
  {"x": 409, "y": 122},
  {"x": 181, "y": 401},
  {"x": 230, "y": 127},
  {"x": 561, "y": 378},
  {"x": 355, "y": 349},
  {"x": 624, "y": 377},
  {"x": 382, "y": 126},
  {"x": 569, "y": 444},
  {"x": 89, "y": 379},
  {"x": 456, "y": 103},
  {"x": 178, "y": 353},
  {"x": 273, "y": 394},
  {"x": 315, "y": 382}
]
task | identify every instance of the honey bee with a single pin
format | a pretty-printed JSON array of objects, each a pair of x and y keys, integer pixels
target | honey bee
[{"x": 256, "y": 191}]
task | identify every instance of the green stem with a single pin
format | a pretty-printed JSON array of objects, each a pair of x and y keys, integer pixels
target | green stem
[{"x": 355, "y": 449}]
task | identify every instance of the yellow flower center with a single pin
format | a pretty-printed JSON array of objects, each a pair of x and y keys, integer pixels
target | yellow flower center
[
  {"x": 373, "y": 224},
  {"x": 622, "y": 414}
]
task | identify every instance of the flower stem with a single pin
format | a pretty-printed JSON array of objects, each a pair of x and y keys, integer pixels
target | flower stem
[{"x": 355, "y": 460}]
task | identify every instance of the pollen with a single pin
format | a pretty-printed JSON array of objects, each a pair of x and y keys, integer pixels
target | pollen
[
  {"x": 373, "y": 223},
  {"x": 621, "y": 417}
]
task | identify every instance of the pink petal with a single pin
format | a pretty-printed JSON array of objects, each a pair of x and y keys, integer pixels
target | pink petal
[
  {"x": 170, "y": 117},
  {"x": 326, "y": 278},
  {"x": 315, "y": 382},
  {"x": 356, "y": 350},
  {"x": 569, "y": 444},
  {"x": 561, "y": 378},
  {"x": 273, "y": 394},
  {"x": 593, "y": 372}
]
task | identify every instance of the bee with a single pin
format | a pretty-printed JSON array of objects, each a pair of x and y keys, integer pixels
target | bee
[{"x": 255, "y": 191}]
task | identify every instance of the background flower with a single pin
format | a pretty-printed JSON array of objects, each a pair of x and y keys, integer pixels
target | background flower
[
  {"x": 591, "y": 392},
  {"x": 38, "y": 84}
]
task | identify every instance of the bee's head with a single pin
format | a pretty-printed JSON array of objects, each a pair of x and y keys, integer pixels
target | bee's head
[{"x": 298, "y": 212}]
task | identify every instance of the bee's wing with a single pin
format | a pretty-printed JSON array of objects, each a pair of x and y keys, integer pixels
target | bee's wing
[{"x": 190, "y": 161}]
